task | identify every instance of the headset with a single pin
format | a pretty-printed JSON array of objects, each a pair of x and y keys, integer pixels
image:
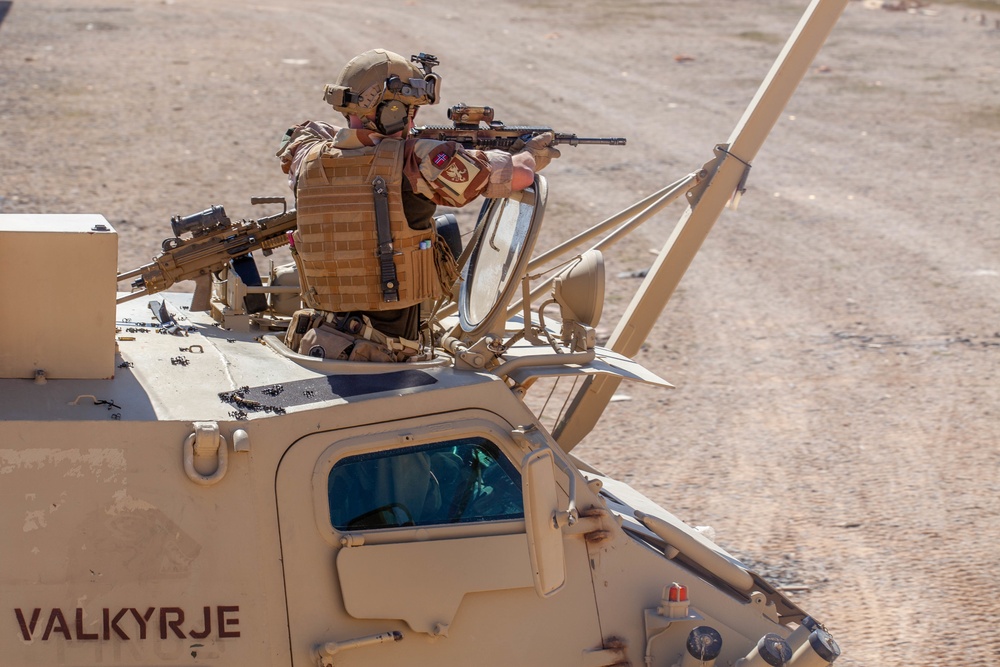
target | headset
[{"x": 391, "y": 116}]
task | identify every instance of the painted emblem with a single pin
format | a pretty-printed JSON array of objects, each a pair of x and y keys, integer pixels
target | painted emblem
[{"x": 456, "y": 173}]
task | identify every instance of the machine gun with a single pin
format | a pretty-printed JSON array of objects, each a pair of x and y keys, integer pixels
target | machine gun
[
  {"x": 468, "y": 130},
  {"x": 213, "y": 241}
]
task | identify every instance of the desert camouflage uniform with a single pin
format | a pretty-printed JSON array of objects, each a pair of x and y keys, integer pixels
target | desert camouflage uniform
[
  {"x": 434, "y": 173},
  {"x": 433, "y": 169}
]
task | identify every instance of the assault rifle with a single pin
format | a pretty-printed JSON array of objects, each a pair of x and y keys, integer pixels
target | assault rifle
[
  {"x": 468, "y": 130},
  {"x": 213, "y": 240}
]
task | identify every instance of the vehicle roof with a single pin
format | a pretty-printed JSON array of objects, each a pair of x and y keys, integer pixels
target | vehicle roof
[{"x": 192, "y": 375}]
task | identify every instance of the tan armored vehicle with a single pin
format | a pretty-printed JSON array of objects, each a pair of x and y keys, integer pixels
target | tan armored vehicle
[{"x": 178, "y": 487}]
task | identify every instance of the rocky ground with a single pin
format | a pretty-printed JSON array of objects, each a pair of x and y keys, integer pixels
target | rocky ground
[{"x": 835, "y": 346}]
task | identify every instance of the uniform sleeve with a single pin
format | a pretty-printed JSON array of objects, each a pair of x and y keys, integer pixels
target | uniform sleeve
[
  {"x": 296, "y": 143},
  {"x": 449, "y": 175}
]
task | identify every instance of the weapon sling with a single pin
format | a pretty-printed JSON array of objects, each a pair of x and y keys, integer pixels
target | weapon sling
[{"x": 387, "y": 279}]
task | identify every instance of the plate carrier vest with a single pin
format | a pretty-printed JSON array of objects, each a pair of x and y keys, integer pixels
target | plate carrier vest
[{"x": 337, "y": 239}]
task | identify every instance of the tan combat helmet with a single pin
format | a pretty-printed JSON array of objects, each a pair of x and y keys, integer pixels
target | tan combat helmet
[{"x": 382, "y": 85}]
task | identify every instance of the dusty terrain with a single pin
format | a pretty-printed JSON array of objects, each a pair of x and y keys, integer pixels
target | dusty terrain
[{"x": 835, "y": 346}]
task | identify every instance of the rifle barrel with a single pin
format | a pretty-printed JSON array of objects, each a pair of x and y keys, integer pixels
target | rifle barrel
[{"x": 574, "y": 140}]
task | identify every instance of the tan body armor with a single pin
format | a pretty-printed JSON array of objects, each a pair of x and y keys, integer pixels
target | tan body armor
[{"x": 338, "y": 244}]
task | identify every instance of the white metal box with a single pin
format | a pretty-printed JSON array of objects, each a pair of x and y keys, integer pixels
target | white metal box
[{"x": 58, "y": 282}]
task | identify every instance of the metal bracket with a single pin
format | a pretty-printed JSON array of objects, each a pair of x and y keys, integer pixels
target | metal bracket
[
  {"x": 704, "y": 175},
  {"x": 593, "y": 523},
  {"x": 767, "y": 608},
  {"x": 325, "y": 652},
  {"x": 708, "y": 170}
]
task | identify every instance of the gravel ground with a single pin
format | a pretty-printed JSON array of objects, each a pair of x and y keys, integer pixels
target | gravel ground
[{"x": 835, "y": 346}]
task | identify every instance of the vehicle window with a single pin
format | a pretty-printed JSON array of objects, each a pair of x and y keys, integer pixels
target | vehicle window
[{"x": 447, "y": 482}]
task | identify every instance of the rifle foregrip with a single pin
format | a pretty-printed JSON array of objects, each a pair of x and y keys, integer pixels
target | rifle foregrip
[{"x": 276, "y": 242}]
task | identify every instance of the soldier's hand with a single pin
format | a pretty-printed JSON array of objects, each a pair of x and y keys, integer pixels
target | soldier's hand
[{"x": 540, "y": 149}]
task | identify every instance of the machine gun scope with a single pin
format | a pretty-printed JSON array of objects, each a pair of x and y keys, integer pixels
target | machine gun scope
[{"x": 199, "y": 223}]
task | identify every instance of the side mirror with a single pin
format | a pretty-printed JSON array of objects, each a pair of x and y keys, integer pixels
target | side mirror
[{"x": 541, "y": 507}]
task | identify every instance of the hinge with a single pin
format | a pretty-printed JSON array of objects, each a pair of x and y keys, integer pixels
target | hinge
[
  {"x": 707, "y": 172},
  {"x": 348, "y": 540},
  {"x": 593, "y": 523},
  {"x": 612, "y": 654}
]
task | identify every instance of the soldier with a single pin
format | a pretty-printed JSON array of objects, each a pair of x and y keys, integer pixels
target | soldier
[{"x": 366, "y": 246}]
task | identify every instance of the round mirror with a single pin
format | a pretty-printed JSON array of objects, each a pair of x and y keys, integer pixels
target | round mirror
[{"x": 499, "y": 259}]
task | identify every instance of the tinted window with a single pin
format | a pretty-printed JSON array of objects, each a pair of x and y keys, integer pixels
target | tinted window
[{"x": 446, "y": 482}]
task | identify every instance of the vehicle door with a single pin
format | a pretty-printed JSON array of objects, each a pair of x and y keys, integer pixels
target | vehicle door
[{"x": 409, "y": 546}]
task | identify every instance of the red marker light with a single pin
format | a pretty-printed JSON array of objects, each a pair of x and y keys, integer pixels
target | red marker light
[{"x": 677, "y": 593}]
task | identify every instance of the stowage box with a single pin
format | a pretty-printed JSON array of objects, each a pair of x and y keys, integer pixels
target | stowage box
[{"x": 64, "y": 265}]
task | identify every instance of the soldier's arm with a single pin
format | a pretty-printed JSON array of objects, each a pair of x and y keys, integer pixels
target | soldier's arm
[
  {"x": 296, "y": 143},
  {"x": 449, "y": 175}
]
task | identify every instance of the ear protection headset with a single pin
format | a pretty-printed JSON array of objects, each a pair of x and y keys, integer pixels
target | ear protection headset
[{"x": 391, "y": 116}]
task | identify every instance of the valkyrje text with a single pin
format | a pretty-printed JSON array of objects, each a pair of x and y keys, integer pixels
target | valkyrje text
[{"x": 128, "y": 623}]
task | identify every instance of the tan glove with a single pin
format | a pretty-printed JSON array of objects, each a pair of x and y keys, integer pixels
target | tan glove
[{"x": 539, "y": 148}]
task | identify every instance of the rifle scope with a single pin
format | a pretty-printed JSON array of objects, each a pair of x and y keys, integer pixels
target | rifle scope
[{"x": 199, "y": 223}]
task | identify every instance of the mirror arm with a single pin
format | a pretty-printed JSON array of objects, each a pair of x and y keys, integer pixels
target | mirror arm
[
  {"x": 581, "y": 358},
  {"x": 530, "y": 436},
  {"x": 568, "y": 517}
]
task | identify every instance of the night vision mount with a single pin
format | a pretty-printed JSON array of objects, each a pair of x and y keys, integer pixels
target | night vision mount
[{"x": 426, "y": 61}]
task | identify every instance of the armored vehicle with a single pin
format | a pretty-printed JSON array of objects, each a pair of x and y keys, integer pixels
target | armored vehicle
[{"x": 179, "y": 487}]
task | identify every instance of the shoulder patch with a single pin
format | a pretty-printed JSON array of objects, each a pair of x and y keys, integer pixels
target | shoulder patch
[
  {"x": 457, "y": 176},
  {"x": 457, "y": 172}
]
